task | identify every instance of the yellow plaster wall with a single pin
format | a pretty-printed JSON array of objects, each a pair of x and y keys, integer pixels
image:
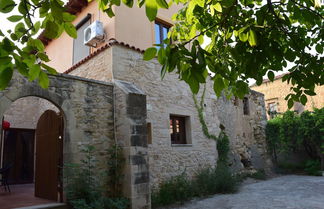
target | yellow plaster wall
[
  {"x": 130, "y": 25},
  {"x": 277, "y": 91}
]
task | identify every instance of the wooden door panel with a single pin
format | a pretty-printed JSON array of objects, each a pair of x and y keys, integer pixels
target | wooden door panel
[{"x": 48, "y": 155}]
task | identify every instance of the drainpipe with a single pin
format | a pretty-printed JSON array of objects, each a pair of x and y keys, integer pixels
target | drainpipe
[{"x": 1, "y": 143}]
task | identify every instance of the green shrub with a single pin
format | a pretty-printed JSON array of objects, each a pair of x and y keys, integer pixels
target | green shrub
[
  {"x": 83, "y": 188},
  {"x": 289, "y": 168},
  {"x": 206, "y": 182},
  {"x": 313, "y": 167},
  {"x": 222, "y": 147},
  {"x": 176, "y": 189},
  {"x": 260, "y": 175},
  {"x": 295, "y": 133},
  {"x": 225, "y": 181}
]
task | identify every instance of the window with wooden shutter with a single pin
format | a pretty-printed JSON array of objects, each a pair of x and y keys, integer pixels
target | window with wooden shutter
[
  {"x": 80, "y": 51},
  {"x": 178, "y": 129}
]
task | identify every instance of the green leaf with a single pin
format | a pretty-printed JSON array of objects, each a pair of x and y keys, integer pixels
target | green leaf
[
  {"x": 36, "y": 27},
  {"x": 151, "y": 9},
  {"x": 37, "y": 43},
  {"x": 161, "y": 56},
  {"x": 163, "y": 4},
  {"x": 109, "y": 12},
  {"x": 70, "y": 29},
  {"x": 49, "y": 69},
  {"x": 241, "y": 89},
  {"x": 319, "y": 48},
  {"x": 43, "y": 80},
  {"x": 15, "y": 18},
  {"x": 218, "y": 85},
  {"x": 290, "y": 103},
  {"x": 194, "y": 85},
  {"x": 310, "y": 93},
  {"x": 67, "y": 17},
  {"x": 252, "y": 38},
  {"x": 218, "y": 7},
  {"x": 128, "y": 3},
  {"x": 51, "y": 30},
  {"x": 271, "y": 76},
  {"x": 5, "y": 77},
  {"x": 43, "y": 57},
  {"x": 7, "y": 6},
  {"x": 149, "y": 53},
  {"x": 34, "y": 72},
  {"x": 303, "y": 99},
  {"x": 243, "y": 36}
]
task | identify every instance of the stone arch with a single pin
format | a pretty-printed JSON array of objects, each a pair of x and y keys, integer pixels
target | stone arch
[
  {"x": 12, "y": 94},
  {"x": 87, "y": 107}
]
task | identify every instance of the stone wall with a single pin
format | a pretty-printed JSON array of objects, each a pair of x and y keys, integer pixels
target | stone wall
[
  {"x": 88, "y": 109},
  {"x": 131, "y": 135},
  {"x": 172, "y": 96},
  {"x": 275, "y": 92},
  {"x": 165, "y": 97},
  {"x": 246, "y": 131},
  {"x": 97, "y": 68},
  {"x": 87, "y": 106}
]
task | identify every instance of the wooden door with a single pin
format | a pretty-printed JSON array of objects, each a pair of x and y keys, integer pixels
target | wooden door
[{"x": 49, "y": 155}]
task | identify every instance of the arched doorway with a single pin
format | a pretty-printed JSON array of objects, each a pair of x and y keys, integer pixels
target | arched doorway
[
  {"x": 87, "y": 107},
  {"x": 33, "y": 147}
]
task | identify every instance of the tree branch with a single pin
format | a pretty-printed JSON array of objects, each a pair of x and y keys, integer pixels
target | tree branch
[{"x": 299, "y": 4}]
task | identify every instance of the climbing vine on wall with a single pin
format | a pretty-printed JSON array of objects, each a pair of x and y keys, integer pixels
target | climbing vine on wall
[{"x": 222, "y": 141}]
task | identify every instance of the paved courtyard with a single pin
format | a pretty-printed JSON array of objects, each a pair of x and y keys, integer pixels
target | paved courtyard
[{"x": 293, "y": 192}]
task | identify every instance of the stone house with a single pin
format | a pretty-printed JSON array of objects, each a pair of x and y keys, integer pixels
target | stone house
[
  {"x": 154, "y": 120},
  {"x": 276, "y": 91}
]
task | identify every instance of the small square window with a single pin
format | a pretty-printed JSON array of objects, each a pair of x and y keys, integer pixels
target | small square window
[
  {"x": 178, "y": 129},
  {"x": 246, "y": 108},
  {"x": 272, "y": 109}
]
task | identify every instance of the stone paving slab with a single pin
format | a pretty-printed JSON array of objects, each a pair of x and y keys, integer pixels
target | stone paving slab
[{"x": 285, "y": 192}]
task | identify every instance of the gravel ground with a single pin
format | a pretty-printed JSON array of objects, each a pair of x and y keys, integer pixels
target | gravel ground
[{"x": 293, "y": 192}]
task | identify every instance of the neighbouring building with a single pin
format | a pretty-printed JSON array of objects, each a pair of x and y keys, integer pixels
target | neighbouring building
[
  {"x": 276, "y": 91},
  {"x": 171, "y": 140}
]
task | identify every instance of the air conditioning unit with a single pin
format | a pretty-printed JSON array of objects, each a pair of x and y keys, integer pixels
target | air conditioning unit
[{"x": 94, "y": 34}]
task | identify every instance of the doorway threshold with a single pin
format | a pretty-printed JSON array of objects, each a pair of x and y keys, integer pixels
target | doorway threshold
[{"x": 47, "y": 206}]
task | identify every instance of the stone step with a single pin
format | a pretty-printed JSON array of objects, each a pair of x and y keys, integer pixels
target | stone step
[{"x": 47, "y": 206}]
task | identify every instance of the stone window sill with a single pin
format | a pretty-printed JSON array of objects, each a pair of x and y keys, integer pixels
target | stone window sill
[{"x": 181, "y": 145}]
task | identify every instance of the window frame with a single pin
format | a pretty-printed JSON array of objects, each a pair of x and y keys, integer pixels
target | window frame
[
  {"x": 162, "y": 24},
  {"x": 246, "y": 106},
  {"x": 181, "y": 137},
  {"x": 82, "y": 22}
]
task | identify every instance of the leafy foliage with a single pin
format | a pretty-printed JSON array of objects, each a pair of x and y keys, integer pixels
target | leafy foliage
[
  {"x": 28, "y": 56},
  {"x": 83, "y": 188},
  {"x": 293, "y": 132},
  {"x": 313, "y": 167},
  {"x": 248, "y": 40},
  {"x": 207, "y": 181},
  {"x": 114, "y": 171}
]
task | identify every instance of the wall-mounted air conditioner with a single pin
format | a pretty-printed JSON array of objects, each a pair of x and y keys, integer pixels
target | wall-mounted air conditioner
[{"x": 94, "y": 34}]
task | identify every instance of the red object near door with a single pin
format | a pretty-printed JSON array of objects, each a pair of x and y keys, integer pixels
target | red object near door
[{"x": 5, "y": 125}]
